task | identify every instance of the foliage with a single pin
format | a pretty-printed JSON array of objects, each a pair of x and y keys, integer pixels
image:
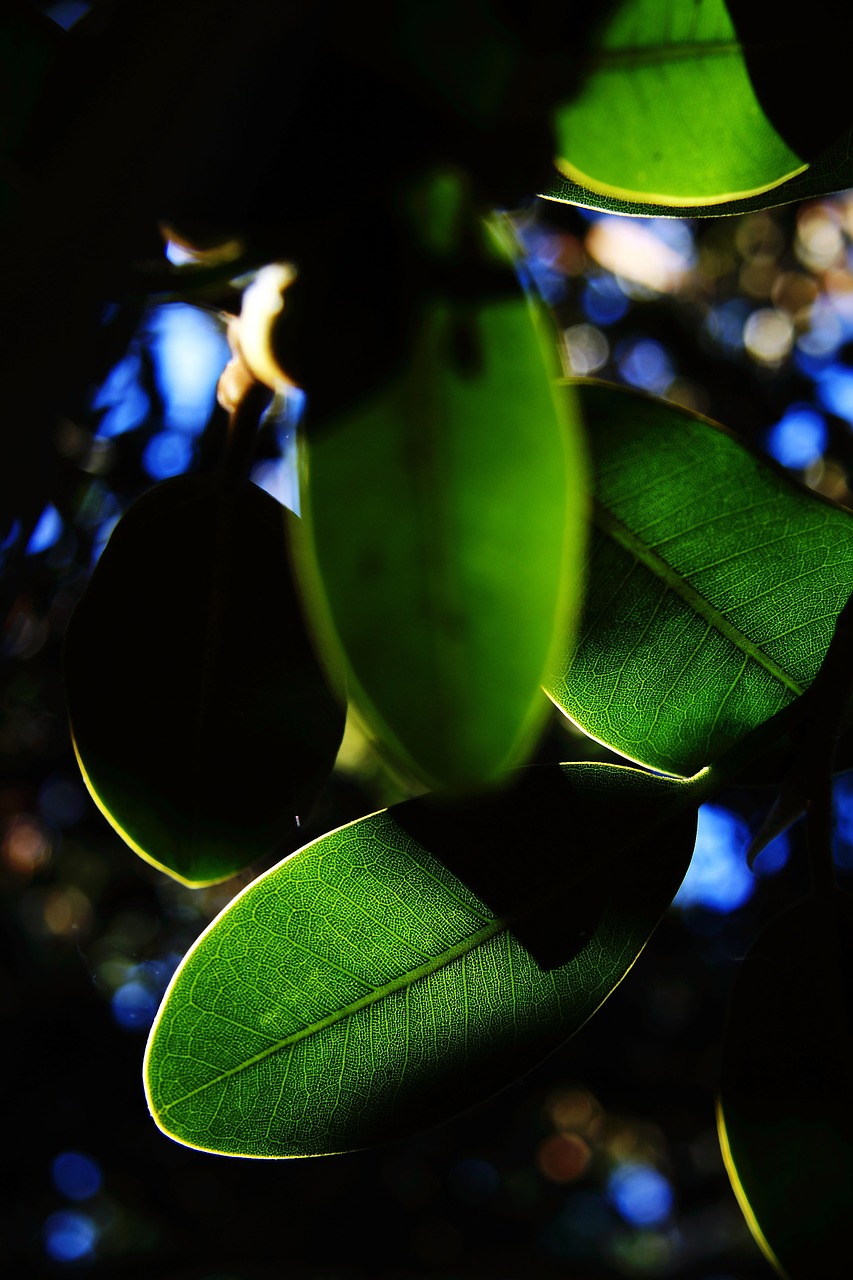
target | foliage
[{"x": 475, "y": 533}]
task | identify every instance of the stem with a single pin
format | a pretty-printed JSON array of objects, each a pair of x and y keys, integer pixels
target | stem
[{"x": 243, "y": 424}]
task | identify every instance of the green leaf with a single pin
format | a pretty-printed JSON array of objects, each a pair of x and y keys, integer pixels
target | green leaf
[
  {"x": 201, "y": 720},
  {"x": 714, "y": 583},
  {"x": 784, "y": 1114},
  {"x": 361, "y": 990},
  {"x": 444, "y": 522},
  {"x": 831, "y": 171},
  {"x": 668, "y": 113}
]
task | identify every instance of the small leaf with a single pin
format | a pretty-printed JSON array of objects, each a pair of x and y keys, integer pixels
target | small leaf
[
  {"x": 714, "y": 583},
  {"x": 668, "y": 113},
  {"x": 360, "y": 990},
  {"x": 444, "y": 528},
  {"x": 784, "y": 1114},
  {"x": 202, "y": 723}
]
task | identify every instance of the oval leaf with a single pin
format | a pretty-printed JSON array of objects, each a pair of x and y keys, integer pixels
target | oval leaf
[
  {"x": 202, "y": 722},
  {"x": 668, "y": 112},
  {"x": 360, "y": 990},
  {"x": 444, "y": 522},
  {"x": 785, "y": 1119},
  {"x": 714, "y": 584}
]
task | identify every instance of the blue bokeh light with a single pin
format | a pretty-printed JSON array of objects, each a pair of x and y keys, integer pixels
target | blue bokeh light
[
  {"x": 134, "y": 1005},
  {"x": 842, "y": 837},
  {"x": 811, "y": 366},
  {"x": 76, "y": 1175},
  {"x": 824, "y": 334},
  {"x": 835, "y": 390},
  {"x": 69, "y": 1236},
  {"x": 47, "y": 532},
  {"x": 156, "y": 973},
  {"x": 603, "y": 301},
  {"x": 774, "y": 856},
  {"x": 642, "y": 1195},
  {"x": 190, "y": 351},
  {"x": 724, "y": 324},
  {"x": 799, "y": 438},
  {"x": 178, "y": 255},
  {"x": 645, "y": 364},
  {"x": 677, "y": 233},
  {"x": 541, "y": 249},
  {"x": 718, "y": 878},
  {"x": 551, "y": 284},
  {"x": 127, "y": 413},
  {"x": 122, "y": 397},
  {"x": 167, "y": 454}
]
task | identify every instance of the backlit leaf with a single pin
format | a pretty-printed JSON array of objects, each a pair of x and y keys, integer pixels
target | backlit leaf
[
  {"x": 785, "y": 1118},
  {"x": 668, "y": 112},
  {"x": 831, "y": 171},
  {"x": 714, "y": 584},
  {"x": 201, "y": 720},
  {"x": 444, "y": 522},
  {"x": 360, "y": 990}
]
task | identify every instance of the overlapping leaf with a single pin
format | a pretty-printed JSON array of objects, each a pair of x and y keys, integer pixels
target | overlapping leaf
[
  {"x": 785, "y": 1117},
  {"x": 714, "y": 585},
  {"x": 361, "y": 989},
  {"x": 668, "y": 113},
  {"x": 201, "y": 720},
  {"x": 444, "y": 518},
  {"x": 831, "y": 171}
]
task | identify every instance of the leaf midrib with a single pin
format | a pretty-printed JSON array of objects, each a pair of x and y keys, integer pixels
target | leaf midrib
[
  {"x": 653, "y": 55},
  {"x": 496, "y": 926},
  {"x": 611, "y": 526}
]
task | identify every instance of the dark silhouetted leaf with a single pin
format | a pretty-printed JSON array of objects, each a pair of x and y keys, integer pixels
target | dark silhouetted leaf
[
  {"x": 444, "y": 529},
  {"x": 360, "y": 990},
  {"x": 799, "y": 66},
  {"x": 785, "y": 1118},
  {"x": 201, "y": 720},
  {"x": 714, "y": 584}
]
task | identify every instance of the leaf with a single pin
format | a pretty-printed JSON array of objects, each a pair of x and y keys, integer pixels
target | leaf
[
  {"x": 202, "y": 723},
  {"x": 784, "y": 1114},
  {"x": 668, "y": 113},
  {"x": 360, "y": 990},
  {"x": 714, "y": 583},
  {"x": 831, "y": 171},
  {"x": 444, "y": 527}
]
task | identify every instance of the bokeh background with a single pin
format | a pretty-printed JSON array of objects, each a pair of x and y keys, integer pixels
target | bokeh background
[{"x": 603, "y": 1161}]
